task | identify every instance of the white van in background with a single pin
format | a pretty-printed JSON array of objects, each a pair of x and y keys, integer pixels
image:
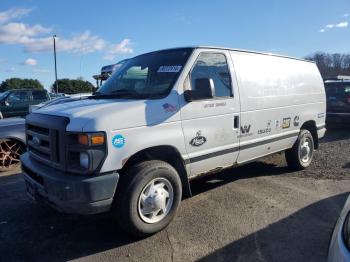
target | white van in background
[{"x": 165, "y": 117}]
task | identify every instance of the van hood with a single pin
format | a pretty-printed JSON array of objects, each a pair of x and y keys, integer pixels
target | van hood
[{"x": 111, "y": 114}]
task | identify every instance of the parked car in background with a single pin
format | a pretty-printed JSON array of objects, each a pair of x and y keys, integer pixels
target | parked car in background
[
  {"x": 59, "y": 100},
  {"x": 339, "y": 245},
  {"x": 16, "y": 102},
  {"x": 12, "y": 142},
  {"x": 338, "y": 99}
]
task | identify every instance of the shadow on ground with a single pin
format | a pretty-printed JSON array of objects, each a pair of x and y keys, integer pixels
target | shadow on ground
[
  {"x": 302, "y": 236},
  {"x": 336, "y": 132}
]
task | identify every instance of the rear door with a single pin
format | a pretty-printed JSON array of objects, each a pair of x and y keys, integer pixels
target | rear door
[{"x": 211, "y": 126}]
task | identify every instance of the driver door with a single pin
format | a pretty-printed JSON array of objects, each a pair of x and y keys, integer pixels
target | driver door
[{"x": 211, "y": 126}]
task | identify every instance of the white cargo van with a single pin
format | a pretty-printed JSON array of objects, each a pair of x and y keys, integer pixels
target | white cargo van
[{"x": 164, "y": 118}]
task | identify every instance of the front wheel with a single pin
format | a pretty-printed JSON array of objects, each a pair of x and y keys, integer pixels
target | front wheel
[
  {"x": 10, "y": 152},
  {"x": 300, "y": 155},
  {"x": 149, "y": 195}
]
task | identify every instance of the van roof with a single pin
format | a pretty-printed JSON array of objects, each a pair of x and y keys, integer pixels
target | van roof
[{"x": 238, "y": 50}]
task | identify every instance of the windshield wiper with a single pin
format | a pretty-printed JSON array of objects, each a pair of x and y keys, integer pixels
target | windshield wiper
[{"x": 120, "y": 93}]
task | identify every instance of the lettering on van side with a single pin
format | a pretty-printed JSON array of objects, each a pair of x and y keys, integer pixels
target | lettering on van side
[
  {"x": 245, "y": 131},
  {"x": 198, "y": 140},
  {"x": 265, "y": 130},
  {"x": 211, "y": 105}
]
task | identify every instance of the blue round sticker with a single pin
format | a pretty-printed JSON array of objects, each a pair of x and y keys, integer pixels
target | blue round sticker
[{"x": 118, "y": 141}]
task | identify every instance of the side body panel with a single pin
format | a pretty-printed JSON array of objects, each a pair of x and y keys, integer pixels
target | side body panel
[{"x": 278, "y": 95}]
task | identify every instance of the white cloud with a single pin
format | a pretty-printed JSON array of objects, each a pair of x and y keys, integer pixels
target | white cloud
[
  {"x": 13, "y": 13},
  {"x": 30, "y": 62},
  {"x": 331, "y": 26},
  {"x": 35, "y": 38},
  {"x": 124, "y": 47},
  {"x": 342, "y": 24},
  {"x": 19, "y": 33},
  {"x": 346, "y": 15}
]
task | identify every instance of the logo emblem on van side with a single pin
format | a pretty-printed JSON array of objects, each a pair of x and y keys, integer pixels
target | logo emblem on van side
[
  {"x": 198, "y": 140},
  {"x": 286, "y": 123},
  {"x": 36, "y": 141},
  {"x": 296, "y": 121},
  {"x": 118, "y": 141},
  {"x": 245, "y": 129}
]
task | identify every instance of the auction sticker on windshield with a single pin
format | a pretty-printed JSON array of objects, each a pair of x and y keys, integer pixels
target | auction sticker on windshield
[{"x": 169, "y": 69}]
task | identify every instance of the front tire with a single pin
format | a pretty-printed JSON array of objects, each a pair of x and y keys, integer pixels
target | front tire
[
  {"x": 150, "y": 193},
  {"x": 300, "y": 155}
]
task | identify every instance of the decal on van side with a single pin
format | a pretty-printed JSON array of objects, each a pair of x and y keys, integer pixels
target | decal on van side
[
  {"x": 286, "y": 122},
  {"x": 296, "y": 121},
  {"x": 118, "y": 141},
  {"x": 198, "y": 140}
]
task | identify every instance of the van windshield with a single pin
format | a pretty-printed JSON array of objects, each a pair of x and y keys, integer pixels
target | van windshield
[{"x": 148, "y": 76}]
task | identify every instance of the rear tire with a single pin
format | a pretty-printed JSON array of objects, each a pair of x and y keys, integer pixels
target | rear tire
[
  {"x": 300, "y": 155},
  {"x": 148, "y": 197}
]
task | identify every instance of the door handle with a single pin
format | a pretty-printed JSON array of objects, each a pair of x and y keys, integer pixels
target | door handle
[{"x": 235, "y": 122}]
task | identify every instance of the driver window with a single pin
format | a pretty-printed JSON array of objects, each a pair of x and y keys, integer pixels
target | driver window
[{"x": 214, "y": 66}]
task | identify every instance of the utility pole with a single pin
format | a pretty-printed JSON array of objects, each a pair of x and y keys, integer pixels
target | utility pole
[{"x": 54, "y": 54}]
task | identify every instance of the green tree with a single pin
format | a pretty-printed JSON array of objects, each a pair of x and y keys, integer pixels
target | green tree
[
  {"x": 73, "y": 86},
  {"x": 19, "y": 83}
]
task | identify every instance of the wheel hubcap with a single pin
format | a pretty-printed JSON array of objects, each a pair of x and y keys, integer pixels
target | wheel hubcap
[
  {"x": 155, "y": 200},
  {"x": 10, "y": 152},
  {"x": 305, "y": 150}
]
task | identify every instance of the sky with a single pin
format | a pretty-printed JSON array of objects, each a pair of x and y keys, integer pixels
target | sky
[{"x": 91, "y": 34}]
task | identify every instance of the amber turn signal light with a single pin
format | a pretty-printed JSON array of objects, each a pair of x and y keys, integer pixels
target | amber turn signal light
[{"x": 97, "y": 139}]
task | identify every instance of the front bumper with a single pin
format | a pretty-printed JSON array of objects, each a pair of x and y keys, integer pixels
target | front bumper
[{"x": 69, "y": 193}]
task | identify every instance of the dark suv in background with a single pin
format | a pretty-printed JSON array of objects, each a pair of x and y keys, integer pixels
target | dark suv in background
[
  {"x": 16, "y": 102},
  {"x": 338, "y": 100}
]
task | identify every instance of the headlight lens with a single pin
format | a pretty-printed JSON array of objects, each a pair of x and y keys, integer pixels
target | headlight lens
[{"x": 84, "y": 160}]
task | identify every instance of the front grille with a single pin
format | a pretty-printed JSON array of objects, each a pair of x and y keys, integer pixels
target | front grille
[
  {"x": 46, "y": 138},
  {"x": 43, "y": 142}
]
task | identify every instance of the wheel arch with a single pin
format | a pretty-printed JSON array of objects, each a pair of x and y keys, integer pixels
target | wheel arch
[
  {"x": 166, "y": 153},
  {"x": 311, "y": 126},
  {"x": 17, "y": 139}
]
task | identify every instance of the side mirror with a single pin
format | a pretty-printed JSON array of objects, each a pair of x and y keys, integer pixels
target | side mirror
[
  {"x": 204, "y": 89},
  {"x": 6, "y": 103}
]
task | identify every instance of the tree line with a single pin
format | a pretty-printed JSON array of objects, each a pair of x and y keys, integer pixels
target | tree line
[
  {"x": 331, "y": 65},
  {"x": 67, "y": 86}
]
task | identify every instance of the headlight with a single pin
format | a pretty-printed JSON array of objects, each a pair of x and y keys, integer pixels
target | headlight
[
  {"x": 94, "y": 139},
  {"x": 84, "y": 160}
]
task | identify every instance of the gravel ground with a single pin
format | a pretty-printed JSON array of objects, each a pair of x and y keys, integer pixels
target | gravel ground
[{"x": 257, "y": 212}]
